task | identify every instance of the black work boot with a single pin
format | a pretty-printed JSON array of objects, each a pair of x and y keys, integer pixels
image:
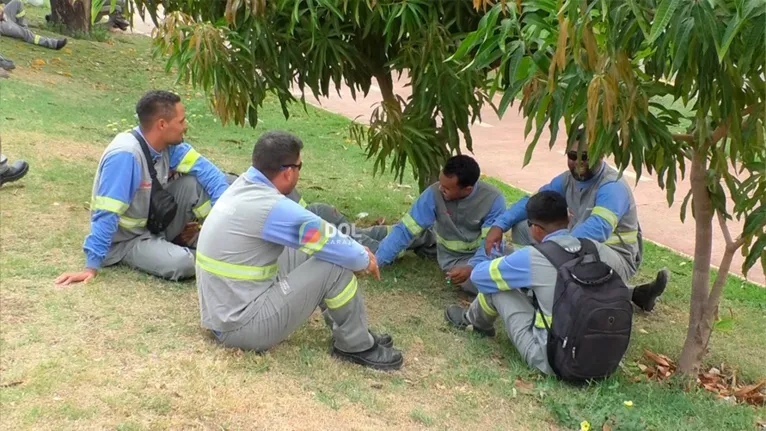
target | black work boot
[
  {"x": 456, "y": 316},
  {"x": 60, "y": 43},
  {"x": 377, "y": 357},
  {"x": 15, "y": 172},
  {"x": 384, "y": 340},
  {"x": 646, "y": 295}
]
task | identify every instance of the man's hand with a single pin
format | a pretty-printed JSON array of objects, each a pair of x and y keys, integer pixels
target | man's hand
[
  {"x": 459, "y": 275},
  {"x": 494, "y": 239},
  {"x": 372, "y": 267},
  {"x": 186, "y": 237},
  {"x": 68, "y": 278}
]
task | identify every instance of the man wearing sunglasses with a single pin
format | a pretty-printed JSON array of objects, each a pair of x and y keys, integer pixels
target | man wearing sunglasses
[
  {"x": 602, "y": 208},
  {"x": 264, "y": 264}
]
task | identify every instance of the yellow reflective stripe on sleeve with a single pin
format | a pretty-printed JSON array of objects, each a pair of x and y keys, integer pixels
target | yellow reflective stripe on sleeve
[
  {"x": 312, "y": 247},
  {"x": 489, "y": 311},
  {"x": 344, "y": 296},
  {"x": 132, "y": 223},
  {"x": 237, "y": 272},
  {"x": 203, "y": 210},
  {"x": 539, "y": 320},
  {"x": 494, "y": 273},
  {"x": 485, "y": 232},
  {"x": 21, "y": 14},
  {"x": 459, "y": 246},
  {"x": 411, "y": 224},
  {"x": 188, "y": 161},
  {"x": 303, "y": 203},
  {"x": 629, "y": 237},
  {"x": 607, "y": 215},
  {"x": 108, "y": 204}
]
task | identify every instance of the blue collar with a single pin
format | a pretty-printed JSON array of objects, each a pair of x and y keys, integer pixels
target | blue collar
[
  {"x": 152, "y": 151},
  {"x": 255, "y": 176},
  {"x": 556, "y": 233}
]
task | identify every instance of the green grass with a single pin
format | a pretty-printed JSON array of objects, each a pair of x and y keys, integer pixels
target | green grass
[{"x": 127, "y": 352}]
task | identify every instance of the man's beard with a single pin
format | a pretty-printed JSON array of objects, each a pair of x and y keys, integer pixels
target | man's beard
[{"x": 585, "y": 176}]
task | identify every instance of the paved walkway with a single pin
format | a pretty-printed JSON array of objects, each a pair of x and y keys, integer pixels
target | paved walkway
[{"x": 499, "y": 146}]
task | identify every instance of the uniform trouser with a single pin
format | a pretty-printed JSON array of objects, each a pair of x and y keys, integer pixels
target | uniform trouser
[
  {"x": 3, "y": 163},
  {"x": 156, "y": 254},
  {"x": 518, "y": 314},
  {"x": 307, "y": 283},
  {"x": 14, "y": 25},
  {"x": 105, "y": 10}
]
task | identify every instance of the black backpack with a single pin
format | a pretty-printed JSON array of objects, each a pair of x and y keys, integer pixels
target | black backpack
[
  {"x": 162, "y": 205},
  {"x": 592, "y": 314}
]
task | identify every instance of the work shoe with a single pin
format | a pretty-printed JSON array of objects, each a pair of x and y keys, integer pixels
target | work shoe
[
  {"x": 646, "y": 295},
  {"x": 456, "y": 316},
  {"x": 6, "y": 64},
  {"x": 60, "y": 43},
  {"x": 377, "y": 357},
  {"x": 384, "y": 340},
  {"x": 15, "y": 172}
]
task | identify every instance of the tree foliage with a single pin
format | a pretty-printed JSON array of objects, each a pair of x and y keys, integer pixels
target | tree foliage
[
  {"x": 242, "y": 51},
  {"x": 612, "y": 66}
]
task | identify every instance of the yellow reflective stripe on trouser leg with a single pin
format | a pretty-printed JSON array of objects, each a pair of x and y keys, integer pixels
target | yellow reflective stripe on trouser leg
[
  {"x": 132, "y": 223},
  {"x": 411, "y": 224},
  {"x": 488, "y": 310},
  {"x": 37, "y": 39},
  {"x": 539, "y": 320},
  {"x": 21, "y": 14},
  {"x": 344, "y": 296},
  {"x": 628, "y": 237},
  {"x": 607, "y": 215},
  {"x": 303, "y": 203},
  {"x": 203, "y": 210},
  {"x": 108, "y": 204},
  {"x": 237, "y": 272},
  {"x": 494, "y": 273},
  {"x": 188, "y": 161}
]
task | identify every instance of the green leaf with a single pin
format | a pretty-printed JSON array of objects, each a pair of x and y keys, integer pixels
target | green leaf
[
  {"x": 724, "y": 325},
  {"x": 731, "y": 32},
  {"x": 662, "y": 18},
  {"x": 754, "y": 221},
  {"x": 758, "y": 250}
]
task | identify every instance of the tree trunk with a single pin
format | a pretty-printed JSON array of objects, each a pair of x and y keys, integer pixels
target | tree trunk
[
  {"x": 386, "y": 84},
  {"x": 700, "y": 327},
  {"x": 74, "y": 15}
]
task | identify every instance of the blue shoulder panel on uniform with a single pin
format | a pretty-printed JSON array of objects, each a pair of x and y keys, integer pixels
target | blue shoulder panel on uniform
[
  {"x": 612, "y": 203},
  {"x": 518, "y": 211}
]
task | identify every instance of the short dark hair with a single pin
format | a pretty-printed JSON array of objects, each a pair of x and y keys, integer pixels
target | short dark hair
[
  {"x": 154, "y": 104},
  {"x": 275, "y": 149},
  {"x": 464, "y": 167},
  {"x": 548, "y": 208}
]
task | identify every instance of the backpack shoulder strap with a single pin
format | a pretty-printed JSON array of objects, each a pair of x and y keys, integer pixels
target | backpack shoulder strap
[
  {"x": 555, "y": 253},
  {"x": 147, "y": 154},
  {"x": 588, "y": 247}
]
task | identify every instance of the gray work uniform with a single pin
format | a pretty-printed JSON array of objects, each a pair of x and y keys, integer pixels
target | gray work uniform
[
  {"x": 14, "y": 24},
  {"x": 459, "y": 228},
  {"x": 132, "y": 243},
  {"x": 626, "y": 237},
  {"x": 254, "y": 293},
  {"x": 524, "y": 326}
]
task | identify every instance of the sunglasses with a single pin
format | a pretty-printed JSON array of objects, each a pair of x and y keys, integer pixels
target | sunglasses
[{"x": 572, "y": 155}]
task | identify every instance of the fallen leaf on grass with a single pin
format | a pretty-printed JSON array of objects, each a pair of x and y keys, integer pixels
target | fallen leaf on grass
[
  {"x": 659, "y": 359},
  {"x": 38, "y": 62},
  {"x": 524, "y": 387},
  {"x": 10, "y": 384}
]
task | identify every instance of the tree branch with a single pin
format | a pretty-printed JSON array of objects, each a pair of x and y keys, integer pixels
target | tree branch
[
  {"x": 683, "y": 138},
  {"x": 733, "y": 244}
]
